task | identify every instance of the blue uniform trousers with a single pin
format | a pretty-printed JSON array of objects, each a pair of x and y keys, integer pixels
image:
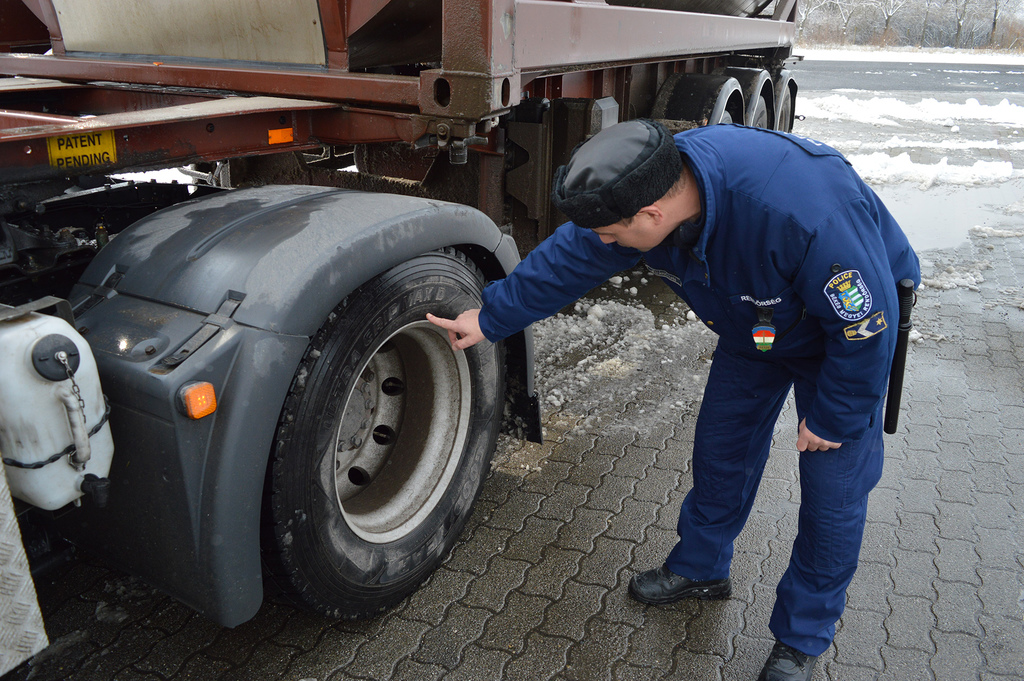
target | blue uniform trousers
[{"x": 742, "y": 402}]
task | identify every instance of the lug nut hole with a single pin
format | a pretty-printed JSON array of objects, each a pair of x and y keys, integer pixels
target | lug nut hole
[
  {"x": 357, "y": 476},
  {"x": 383, "y": 435},
  {"x": 392, "y": 386}
]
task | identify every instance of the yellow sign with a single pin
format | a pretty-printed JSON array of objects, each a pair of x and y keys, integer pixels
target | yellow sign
[{"x": 84, "y": 150}]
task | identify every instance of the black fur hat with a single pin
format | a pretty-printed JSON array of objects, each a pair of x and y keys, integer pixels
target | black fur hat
[{"x": 617, "y": 172}]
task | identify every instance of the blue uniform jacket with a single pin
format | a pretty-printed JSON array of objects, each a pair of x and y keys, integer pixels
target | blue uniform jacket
[{"x": 794, "y": 246}]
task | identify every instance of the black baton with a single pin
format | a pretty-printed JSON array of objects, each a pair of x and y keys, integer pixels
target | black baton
[{"x": 905, "y": 295}]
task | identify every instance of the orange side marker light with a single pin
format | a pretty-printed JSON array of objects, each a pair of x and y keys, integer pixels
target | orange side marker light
[
  {"x": 197, "y": 399},
  {"x": 280, "y": 136}
]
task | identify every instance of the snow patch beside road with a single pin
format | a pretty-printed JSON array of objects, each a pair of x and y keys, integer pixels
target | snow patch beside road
[
  {"x": 960, "y": 276},
  {"x": 889, "y": 111},
  {"x": 897, "y": 142},
  {"x": 984, "y": 232},
  {"x": 911, "y": 55},
  {"x": 880, "y": 168},
  {"x": 604, "y": 340}
]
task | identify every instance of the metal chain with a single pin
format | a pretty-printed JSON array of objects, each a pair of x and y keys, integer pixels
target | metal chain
[{"x": 62, "y": 357}]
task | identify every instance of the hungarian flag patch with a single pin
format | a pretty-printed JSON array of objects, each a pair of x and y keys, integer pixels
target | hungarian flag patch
[{"x": 764, "y": 336}]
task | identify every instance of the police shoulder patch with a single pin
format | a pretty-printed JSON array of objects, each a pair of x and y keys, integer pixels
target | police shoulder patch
[
  {"x": 866, "y": 328},
  {"x": 849, "y": 295}
]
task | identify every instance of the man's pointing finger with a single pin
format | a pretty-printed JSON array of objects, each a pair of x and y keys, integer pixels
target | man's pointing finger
[
  {"x": 463, "y": 331},
  {"x": 448, "y": 324},
  {"x": 443, "y": 323}
]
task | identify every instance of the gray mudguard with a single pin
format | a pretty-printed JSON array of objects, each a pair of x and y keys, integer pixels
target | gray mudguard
[
  {"x": 257, "y": 271},
  {"x": 294, "y": 251}
]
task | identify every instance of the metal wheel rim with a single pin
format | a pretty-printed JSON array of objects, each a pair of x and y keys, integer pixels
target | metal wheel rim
[{"x": 400, "y": 438}]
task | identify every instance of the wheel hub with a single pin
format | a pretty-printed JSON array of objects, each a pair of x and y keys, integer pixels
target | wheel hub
[{"x": 402, "y": 432}]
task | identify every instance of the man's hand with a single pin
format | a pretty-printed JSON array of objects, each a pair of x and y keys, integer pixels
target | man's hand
[
  {"x": 463, "y": 331},
  {"x": 809, "y": 442}
]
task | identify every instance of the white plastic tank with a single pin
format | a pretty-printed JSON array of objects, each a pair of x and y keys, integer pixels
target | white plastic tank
[{"x": 41, "y": 417}]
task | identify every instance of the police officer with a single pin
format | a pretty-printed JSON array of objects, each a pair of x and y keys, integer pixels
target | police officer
[{"x": 783, "y": 251}]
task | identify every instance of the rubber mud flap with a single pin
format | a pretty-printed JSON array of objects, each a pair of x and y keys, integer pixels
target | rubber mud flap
[{"x": 383, "y": 443}]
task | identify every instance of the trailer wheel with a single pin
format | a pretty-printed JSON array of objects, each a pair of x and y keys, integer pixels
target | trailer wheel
[
  {"x": 383, "y": 443},
  {"x": 705, "y": 99},
  {"x": 759, "y": 119},
  {"x": 786, "y": 111}
]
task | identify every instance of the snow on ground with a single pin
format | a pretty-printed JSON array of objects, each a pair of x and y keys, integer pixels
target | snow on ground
[
  {"x": 881, "y": 168},
  {"x": 941, "y": 139},
  {"x": 930, "y": 125},
  {"x": 945, "y": 276},
  {"x": 984, "y": 232},
  {"x": 889, "y": 111},
  {"x": 615, "y": 346},
  {"x": 897, "y": 142},
  {"x": 910, "y": 55},
  {"x": 605, "y": 337}
]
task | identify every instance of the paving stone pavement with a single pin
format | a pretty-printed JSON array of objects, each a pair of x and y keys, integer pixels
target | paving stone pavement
[{"x": 536, "y": 587}]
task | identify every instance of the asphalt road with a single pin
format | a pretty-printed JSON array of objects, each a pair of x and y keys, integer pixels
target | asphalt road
[{"x": 987, "y": 82}]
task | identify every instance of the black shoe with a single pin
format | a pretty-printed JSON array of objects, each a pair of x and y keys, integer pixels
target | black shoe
[
  {"x": 787, "y": 664},
  {"x": 662, "y": 586}
]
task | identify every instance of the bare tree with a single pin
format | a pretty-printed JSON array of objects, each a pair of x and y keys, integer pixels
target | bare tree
[
  {"x": 1000, "y": 8},
  {"x": 807, "y": 9},
  {"x": 889, "y": 9},
  {"x": 995, "y": 19},
  {"x": 846, "y": 9},
  {"x": 953, "y": 23},
  {"x": 928, "y": 4},
  {"x": 960, "y": 10}
]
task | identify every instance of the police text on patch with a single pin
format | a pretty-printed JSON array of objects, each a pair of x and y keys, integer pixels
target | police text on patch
[{"x": 849, "y": 295}]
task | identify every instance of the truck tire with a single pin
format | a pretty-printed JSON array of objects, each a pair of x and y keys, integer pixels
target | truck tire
[
  {"x": 704, "y": 99},
  {"x": 785, "y": 94},
  {"x": 786, "y": 111},
  {"x": 759, "y": 119},
  {"x": 383, "y": 443}
]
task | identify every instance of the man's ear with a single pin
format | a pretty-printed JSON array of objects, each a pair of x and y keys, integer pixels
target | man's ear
[{"x": 654, "y": 212}]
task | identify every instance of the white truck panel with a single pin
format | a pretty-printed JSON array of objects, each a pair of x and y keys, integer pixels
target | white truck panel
[{"x": 279, "y": 31}]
